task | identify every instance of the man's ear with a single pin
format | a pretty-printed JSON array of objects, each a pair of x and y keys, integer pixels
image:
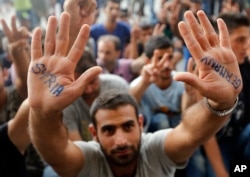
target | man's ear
[
  {"x": 92, "y": 130},
  {"x": 141, "y": 121}
]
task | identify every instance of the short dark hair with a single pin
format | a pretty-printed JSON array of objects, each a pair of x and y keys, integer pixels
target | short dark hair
[
  {"x": 86, "y": 61},
  {"x": 157, "y": 42},
  {"x": 112, "y": 38},
  {"x": 111, "y": 100},
  {"x": 234, "y": 20}
]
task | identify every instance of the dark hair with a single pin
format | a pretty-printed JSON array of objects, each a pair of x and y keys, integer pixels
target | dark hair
[
  {"x": 234, "y": 20},
  {"x": 112, "y": 38},
  {"x": 86, "y": 61},
  {"x": 112, "y": 99},
  {"x": 157, "y": 42}
]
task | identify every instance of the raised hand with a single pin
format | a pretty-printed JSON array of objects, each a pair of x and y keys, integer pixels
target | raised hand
[
  {"x": 19, "y": 50},
  {"x": 81, "y": 12},
  {"x": 219, "y": 77},
  {"x": 51, "y": 82},
  {"x": 150, "y": 72},
  {"x": 17, "y": 37}
]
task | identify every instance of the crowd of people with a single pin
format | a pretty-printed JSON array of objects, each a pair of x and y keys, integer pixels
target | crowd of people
[{"x": 100, "y": 92}]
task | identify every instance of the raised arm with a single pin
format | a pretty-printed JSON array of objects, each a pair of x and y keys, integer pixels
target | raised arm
[
  {"x": 82, "y": 11},
  {"x": 19, "y": 49},
  {"x": 218, "y": 80},
  {"x": 18, "y": 128},
  {"x": 51, "y": 88},
  {"x": 149, "y": 74}
]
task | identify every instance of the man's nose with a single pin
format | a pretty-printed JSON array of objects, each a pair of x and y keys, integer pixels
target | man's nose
[{"x": 120, "y": 138}]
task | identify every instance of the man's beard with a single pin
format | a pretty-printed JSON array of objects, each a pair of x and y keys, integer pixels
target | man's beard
[{"x": 125, "y": 160}]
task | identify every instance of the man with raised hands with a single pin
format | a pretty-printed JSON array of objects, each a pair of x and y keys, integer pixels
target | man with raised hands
[{"x": 120, "y": 148}]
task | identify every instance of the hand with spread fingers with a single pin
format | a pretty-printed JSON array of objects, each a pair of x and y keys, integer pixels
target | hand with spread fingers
[
  {"x": 219, "y": 77},
  {"x": 82, "y": 11},
  {"x": 51, "y": 83},
  {"x": 151, "y": 71},
  {"x": 19, "y": 50},
  {"x": 17, "y": 37}
]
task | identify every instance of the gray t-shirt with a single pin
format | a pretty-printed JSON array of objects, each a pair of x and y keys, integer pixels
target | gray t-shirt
[
  {"x": 76, "y": 116},
  {"x": 152, "y": 160}
]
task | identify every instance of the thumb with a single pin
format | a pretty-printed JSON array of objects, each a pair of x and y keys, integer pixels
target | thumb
[
  {"x": 190, "y": 79},
  {"x": 86, "y": 78}
]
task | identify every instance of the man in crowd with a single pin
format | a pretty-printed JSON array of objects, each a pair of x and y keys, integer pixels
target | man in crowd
[{"x": 120, "y": 149}]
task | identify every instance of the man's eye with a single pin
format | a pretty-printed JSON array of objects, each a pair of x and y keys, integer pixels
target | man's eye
[
  {"x": 109, "y": 130},
  {"x": 128, "y": 126}
]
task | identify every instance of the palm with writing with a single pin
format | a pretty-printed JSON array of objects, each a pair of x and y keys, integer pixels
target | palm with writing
[
  {"x": 218, "y": 77},
  {"x": 51, "y": 82}
]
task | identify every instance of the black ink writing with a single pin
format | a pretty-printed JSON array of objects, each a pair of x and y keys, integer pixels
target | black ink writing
[
  {"x": 223, "y": 72},
  {"x": 49, "y": 79}
]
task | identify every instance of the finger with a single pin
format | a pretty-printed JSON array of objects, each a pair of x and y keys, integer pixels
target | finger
[
  {"x": 192, "y": 45},
  {"x": 79, "y": 44},
  {"x": 155, "y": 58},
  {"x": 36, "y": 47},
  {"x": 62, "y": 40},
  {"x": 223, "y": 34},
  {"x": 190, "y": 65},
  {"x": 13, "y": 25},
  {"x": 197, "y": 31},
  {"x": 208, "y": 29},
  {"x": 6, "y": 29},
  {"x": 92, "y": 7},
  {"x": 17, "y": 44},
  {"x": 163, "y": 60},
  {"x": 190, "y": 79},
  {"x": 86, "y": 78},
  {"x": 24, "y": 32},
  {"x": 161, "y": 28},
  {"x": 50, "y": 36}
]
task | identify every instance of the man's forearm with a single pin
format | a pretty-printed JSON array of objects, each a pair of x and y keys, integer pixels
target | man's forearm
[
  {"x": 197, "y": 126},
  {"x": 138, "y": 90},
  {"x": 48, "y": 134}
]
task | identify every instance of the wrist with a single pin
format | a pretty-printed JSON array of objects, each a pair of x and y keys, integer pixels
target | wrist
[{"x": 222, "y": 110}]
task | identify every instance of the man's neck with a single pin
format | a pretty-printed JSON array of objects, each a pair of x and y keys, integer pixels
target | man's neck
[
  {"x": 110, "y": 66},
  {"x": 164, "y": 83},
  {"x": 127, "y": 171},
  {"x": 110, "y": 25}
]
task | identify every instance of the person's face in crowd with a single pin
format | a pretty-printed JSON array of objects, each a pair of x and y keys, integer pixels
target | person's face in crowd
[
  {"x": 227, "y": 6},
  {"x": 165, "y": 73},
  {"x": 145, "y": 34},
  {"x": 112, "y": 11},
  {"x": 119, "y": 133},
  {"x": 239, "y": 39},
  {"x": 92, "y": 89},
  {"x": 162, "y": 15},
  {"x": 107, "y": 52},
  {"x": 195, "y": 6}
]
